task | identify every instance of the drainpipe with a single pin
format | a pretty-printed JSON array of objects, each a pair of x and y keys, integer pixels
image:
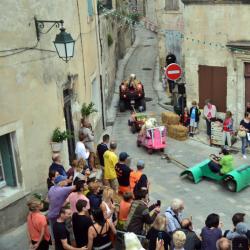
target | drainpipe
[{"x": 99, "y": 55}]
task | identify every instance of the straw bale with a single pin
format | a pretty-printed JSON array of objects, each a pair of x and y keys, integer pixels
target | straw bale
[
  {"x": 170, "y": 118},
  {"x": 177, "y": 132}
]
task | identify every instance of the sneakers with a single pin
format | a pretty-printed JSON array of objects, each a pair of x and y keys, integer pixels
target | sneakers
[{"x": 244, "y": 156}]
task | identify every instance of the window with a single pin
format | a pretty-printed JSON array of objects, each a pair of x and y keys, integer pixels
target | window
[
  {"x": 96, "y": 95},
  {"x": 90, "y": 8},
  {"x": 7, "y": 167},
  {"x": 172, "y": 4}
]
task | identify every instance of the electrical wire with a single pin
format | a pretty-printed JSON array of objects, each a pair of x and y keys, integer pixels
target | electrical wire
[{"x": 21, "y": 50}]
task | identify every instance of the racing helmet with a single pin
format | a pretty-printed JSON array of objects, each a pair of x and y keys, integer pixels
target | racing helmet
[{"x": 132, "y": 76}]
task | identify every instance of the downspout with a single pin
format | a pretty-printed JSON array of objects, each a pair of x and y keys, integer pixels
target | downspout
[
  {"x": 83, "y": 61},
  {"x": 98, "y": 39}
]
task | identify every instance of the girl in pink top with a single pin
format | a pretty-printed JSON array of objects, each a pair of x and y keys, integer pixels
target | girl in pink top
[{"x": 78, "y": 195}]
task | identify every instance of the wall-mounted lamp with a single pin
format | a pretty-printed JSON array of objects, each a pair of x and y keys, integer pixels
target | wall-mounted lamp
[{"x": 64, "y": 43}]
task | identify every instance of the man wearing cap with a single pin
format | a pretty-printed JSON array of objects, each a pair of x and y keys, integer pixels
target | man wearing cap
[
  {"x": 136, "y": 175},
  {"x": 110, "y": 160},
  {"x": 57, "y": 196},
  {"x": 123, "y": 173}
]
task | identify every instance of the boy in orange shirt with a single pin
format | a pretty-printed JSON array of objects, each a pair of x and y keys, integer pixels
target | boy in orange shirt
[{"x": 125, "y": 205}]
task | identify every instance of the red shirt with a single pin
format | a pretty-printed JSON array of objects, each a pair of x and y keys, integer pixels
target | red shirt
[
  {"x": 124, "y": 210},
  {"x": 226, "y": 124},
  {"x": 35, "y": 222}
]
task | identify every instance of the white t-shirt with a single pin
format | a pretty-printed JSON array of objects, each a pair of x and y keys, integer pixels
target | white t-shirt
[{"x": 81, "y": 151}]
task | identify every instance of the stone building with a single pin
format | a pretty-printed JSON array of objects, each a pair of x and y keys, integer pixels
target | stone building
[
  {"x": 116, "y": 36},
  {"x": 40, "y": 92},
  {"x": 169, "y": 15},
  {"x": 216, "y": 51}
]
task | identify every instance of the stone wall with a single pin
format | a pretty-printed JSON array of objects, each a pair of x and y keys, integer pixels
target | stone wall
[
  {"x": 216, "y": 24},
  {"x": 122, "y": 36},
  {"x": 31, "y": 89}
]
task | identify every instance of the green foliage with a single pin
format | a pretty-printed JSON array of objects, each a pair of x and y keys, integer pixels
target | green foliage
[
  {"x": 59, "y": 136},
  {"x": 110, "y": 40},
  {"x": 134, "y": 17},
  {"x": 88, "y": 109}
]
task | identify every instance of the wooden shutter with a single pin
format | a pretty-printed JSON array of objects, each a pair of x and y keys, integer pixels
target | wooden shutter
[
  {"x": 247, "y": 82},
  {"x": 172, "y": 4},
  {"x": 213, "y": 85},
  {"x": 7, "y": 159},
  {"x": 90, "y": 8}
]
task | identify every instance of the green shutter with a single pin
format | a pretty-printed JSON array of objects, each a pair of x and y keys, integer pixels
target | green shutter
[
  {"x": 7, "y": 158},
  {"x": 90, "y": 8}
]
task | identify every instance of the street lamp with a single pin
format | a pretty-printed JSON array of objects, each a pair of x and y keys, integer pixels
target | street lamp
[{"x": 64, "y": 43}]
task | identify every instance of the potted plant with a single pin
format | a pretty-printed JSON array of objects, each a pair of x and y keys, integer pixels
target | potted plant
[
  {"x": 87, "y": 110},
  {"x": 57, "y": 139}
]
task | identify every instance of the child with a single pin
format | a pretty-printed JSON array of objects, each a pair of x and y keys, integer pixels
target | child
[
  {"x": 185, "y": 117},
  {"x": 125, "y": 205},
  {"x": 227, "y": 129},
  {"x": 131, "y": 118},
  {"x": 194, "y": 117}
]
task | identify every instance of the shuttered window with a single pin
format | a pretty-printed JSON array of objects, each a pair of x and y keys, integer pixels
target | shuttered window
[
  {"x": 90, "y": 7},
  {"x": 7, "y": 168},
  {"x": 172, "y": 4}
]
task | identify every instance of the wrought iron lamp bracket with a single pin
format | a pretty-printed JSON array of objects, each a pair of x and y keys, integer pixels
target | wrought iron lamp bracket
[{"x": 40, "y": 25}]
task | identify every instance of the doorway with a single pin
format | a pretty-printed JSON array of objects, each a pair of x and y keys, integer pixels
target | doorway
[
  {"x": 247, "y": 83},
  {"x": 67, "y": 93},
  {"x": 213, "y": 85}
]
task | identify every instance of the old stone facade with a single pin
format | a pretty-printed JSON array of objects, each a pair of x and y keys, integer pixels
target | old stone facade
[
  {"x": 116, "y": 37},
  {"x": 169, "y": 14},
  {"x": 40, "y": 92},
  {"x": 216, "y": 53}
]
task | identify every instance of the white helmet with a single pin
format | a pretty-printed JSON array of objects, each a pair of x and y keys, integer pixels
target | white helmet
[{"x": 132, "y": 76}]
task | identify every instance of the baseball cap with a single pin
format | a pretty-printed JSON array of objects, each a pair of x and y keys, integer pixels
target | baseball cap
[
  {"x": 140, "y": 164},
  {"x": 60, "y": 178},
  {"x": 123, "y": 156}
]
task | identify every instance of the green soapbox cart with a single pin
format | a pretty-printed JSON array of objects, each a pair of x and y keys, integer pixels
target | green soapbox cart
[{"x": 234, "y": 181}]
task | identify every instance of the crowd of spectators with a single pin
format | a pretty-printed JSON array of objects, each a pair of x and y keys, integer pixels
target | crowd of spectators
[{"x": 97, "y": 203}]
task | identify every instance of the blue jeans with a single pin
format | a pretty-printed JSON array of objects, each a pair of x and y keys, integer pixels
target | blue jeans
[
  {"x": 214, "y": 167},
  {"x": 244, "y": 144}
]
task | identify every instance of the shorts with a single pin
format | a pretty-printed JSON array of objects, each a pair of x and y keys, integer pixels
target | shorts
[
  {"x": 123, "y": 189},
  {"x": 113, "y": 183},
  {"x": 193, "y": 123}
]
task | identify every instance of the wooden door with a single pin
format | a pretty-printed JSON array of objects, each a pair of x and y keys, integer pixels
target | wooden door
[
  {"x": 213, "y": 85},
  {"x": 247, "y": 83}
]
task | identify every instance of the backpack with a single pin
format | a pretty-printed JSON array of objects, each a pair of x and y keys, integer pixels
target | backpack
[{"x": 240, "y": 243}]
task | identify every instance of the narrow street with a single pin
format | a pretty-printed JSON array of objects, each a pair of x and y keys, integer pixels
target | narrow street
[
  {"x": 201, "y": 199},
  {"x": 165, "y": 183}
]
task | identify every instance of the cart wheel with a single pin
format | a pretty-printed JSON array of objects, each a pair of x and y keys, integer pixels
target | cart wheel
[
  {"x": 138, "y": 144},
  {"x": 162, "y": 149},
  {"x": 122, "y": 106},
  {"x": 231, "y": 185},
  {"x": 133, "y": 129},
  {"x": 190, "y": 176},
  {"x": 150, "y": 151}
]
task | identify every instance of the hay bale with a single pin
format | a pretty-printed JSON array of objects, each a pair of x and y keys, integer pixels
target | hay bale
[
  {"x": 177, "y": 132},
  {"x": 170, "y": 118}
]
